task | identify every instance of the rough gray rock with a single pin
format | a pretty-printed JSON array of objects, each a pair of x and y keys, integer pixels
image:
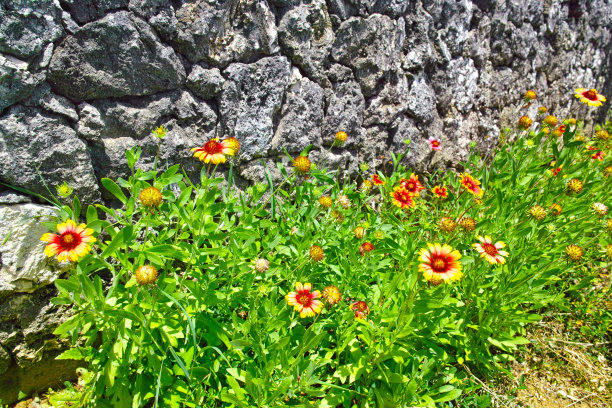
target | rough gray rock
[
  {"x": 344, "y": 112},
  {"x": 251, "y": 96},
  {"x": 370, "y": 47},
  {"x": 16, "y": 82},
  {"x": 85, "y": 11},
  {"x": 306, "y": 36},
  {"x": 205, "y": 83},
  {"x": 44, "y": 98},
  {"x": 36, "y": 143},
  {"x": 116, "y": 56},
  {"x": 221, "y": 31},
  {"x": 28, "y": 25},
  {"x": 24, "y": 267},
  {"x": 301, "y": 119}
]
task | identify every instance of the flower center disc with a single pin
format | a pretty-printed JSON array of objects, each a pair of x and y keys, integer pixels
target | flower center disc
[
  {"x": 69, "y": 240},
  {"x": 304, "y": 299},
  {"x": 590, "y": 94},
  {"x": 490, "y": 249},
  {"x": 438, "y": 265},
  {"x": 213, "y": 147}
]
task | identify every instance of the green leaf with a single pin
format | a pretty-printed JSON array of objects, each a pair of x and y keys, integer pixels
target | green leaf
[
  {"x": 114, "y": 189},
  {"x": 70, "y": 354}
]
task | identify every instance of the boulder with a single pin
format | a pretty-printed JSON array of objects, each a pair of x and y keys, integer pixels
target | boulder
[
  {"x": 28, "y": 26},
  {"x": 306, "y": 36},
  {"x": 16, "y": 82},
  {"x": 301, "y": 119},
  {"x": 205, "y": 83},
  {"x": 85, "y": 11},
  {"x": 119, "y": 55},
  {"x": 370, "y": 46},
  {"x": 37, "y": 145},
  {"x": 251, "y": 97},
  {"x": 221, "y": 31}
]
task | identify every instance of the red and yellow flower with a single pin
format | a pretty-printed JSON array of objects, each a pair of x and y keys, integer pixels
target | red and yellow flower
[
  {"x": 71, "y": 243},
  {"x": 361, "y": 309},
  {"x": 589, "y": 96},
  {"x": 213, "y": 151},
  {"x": 402, "y": 197},
  {"x": 471, "y": 184},
  {"x": 304, "y": 300},
  {"x": 440, "y": 192},
  {"x": 365, "y": 248},
  {"x": 302, "y": 164},
  {"x": 491, "y": 251},
  {"x": 412, "y": 184},
  {"x": 440, "y": 263},
  {"x": 332, "y": 295},
  {"x": 376, "y": 180}
]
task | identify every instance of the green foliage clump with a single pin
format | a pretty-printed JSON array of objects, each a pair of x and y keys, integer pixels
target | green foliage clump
[{"x": 207, "y": 322}]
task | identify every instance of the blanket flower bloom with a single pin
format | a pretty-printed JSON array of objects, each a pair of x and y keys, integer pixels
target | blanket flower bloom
[
  {"x": 213, "y": 151},
  {"x": 440, "y": 191},
  {"x": 574, "y": 252},
  {"x": 590, "y": 97},
  {"x": 491, "y": 251},
  {"x": 325, "y": 201},
  {"x": 316, "y": 253},
  {"x": 365, "y": 248},
  {"x": 575, "y": 185},
  {"x": 471, "y": 184},
  {"x": 412, "y": 184},
  {"x": 440, "y": 263},
  {"x": 304, "y": 300},
  {"x": 361, "y": 309},
  {"x": 376, "y": 180},
  {"x": 72, "y": 242},
  {"x": 434, "y": 143},
  {"x": 402, "y": 198}
]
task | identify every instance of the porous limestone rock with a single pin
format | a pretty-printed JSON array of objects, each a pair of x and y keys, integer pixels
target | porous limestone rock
[
  {"x": 221, "y": 31},
  {"x": 16, "y": 82},
  {"x": 28, "y": 26},
  {"x": 37, "y": 145},
  {"x": 205, "y": 83},
  {"x": 119, "y": 55},
  {"x": 251, "y": 97}
]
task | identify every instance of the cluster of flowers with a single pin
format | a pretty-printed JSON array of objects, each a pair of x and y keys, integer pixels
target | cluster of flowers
[{"x": 438, "y": 262}]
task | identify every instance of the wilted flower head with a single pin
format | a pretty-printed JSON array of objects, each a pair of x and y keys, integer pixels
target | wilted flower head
[
  {"x": 150, "y": 197},
  {"x": 344, "y": 201},
  {"x": 447, "y": 224},
  {"x": 64, "y": 190},
  {"x": 537, "y": 212},
  {"x": 316, "y": 253},
  {"x": 302, "y": 164},
  {"x": 602, "y": 135},
  {"x": 609, "y": 251},
  {"x": 331, "y": 295},
  {"x": 542, "y": 110},
  {"x": 361, "y": 309},
  {"x": 574, "y": 185},
  {"x": 325, "y": 201},
  {"x": 145, "y": 274},
  {"x": 364, "y": 167},
  {"x": 262, "y": 265},
  {"x": 574, "y": 252},
  {"x": 600, "y": 208},
  {"x": 337, "y": 215},
  {"x": 366, "y": 185},
  {"x": 572, "y": 121},
  {"x": 293, "y": 231},
  {"x": 590, "y": 97},
  {"x": 467, "y": 223},
  {"x": 525, "y": 122},
  {"x": 359, "y": 232},
  {"x": 365, "y": 248},
  {"x": 609, "y": 224}
]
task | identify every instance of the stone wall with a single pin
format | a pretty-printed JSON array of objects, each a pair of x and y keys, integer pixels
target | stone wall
[{"x": 83, "y": 80}]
